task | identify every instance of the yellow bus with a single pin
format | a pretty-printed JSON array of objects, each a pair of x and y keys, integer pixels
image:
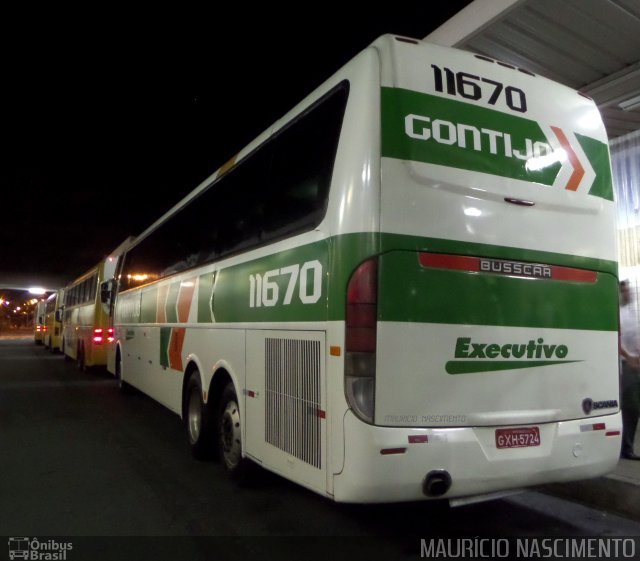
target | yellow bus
[
  {"x": 52, "y": 338},
  {"x": 38, "y": 322},
  {"x": 86, "y": 318}
]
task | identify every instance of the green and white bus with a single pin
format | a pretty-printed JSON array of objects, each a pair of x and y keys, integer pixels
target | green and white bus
[{"x": 405, "y": 289}]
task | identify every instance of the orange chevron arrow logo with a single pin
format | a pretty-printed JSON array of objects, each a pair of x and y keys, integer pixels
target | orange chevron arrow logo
[{"x": 578, "y": 170}]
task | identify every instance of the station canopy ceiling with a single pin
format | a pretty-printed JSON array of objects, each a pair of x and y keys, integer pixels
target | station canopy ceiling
[{"x": 589, "y": 45}]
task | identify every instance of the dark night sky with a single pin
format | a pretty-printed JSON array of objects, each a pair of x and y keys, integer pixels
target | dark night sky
[{"x": 110, "y": 119}]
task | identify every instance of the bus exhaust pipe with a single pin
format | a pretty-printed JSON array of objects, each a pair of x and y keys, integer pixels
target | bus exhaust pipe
[{"x": 437, "y": 483}]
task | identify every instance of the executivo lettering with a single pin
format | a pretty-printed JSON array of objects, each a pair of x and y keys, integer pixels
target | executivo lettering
[{"x": 472, "y": 356}]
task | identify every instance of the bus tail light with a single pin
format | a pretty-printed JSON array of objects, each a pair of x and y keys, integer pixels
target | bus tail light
[
  {"x": 97, "y": 336},
  {"x": 360, "y": 339},
  {"x": 110, "y": 337}
]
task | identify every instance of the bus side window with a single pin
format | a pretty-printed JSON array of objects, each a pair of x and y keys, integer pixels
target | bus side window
[
  {"x": 280, "y": 189},
  {"x": 304, "y": 153}
]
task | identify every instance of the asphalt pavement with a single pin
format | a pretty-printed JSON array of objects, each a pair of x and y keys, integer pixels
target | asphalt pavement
[
  {"x": 79, "y": 459},
  {"x": 617, "y": 492}
]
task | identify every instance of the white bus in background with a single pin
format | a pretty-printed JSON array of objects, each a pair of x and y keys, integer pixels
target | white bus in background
[
  {"x": 405, "y": 289},
  {"x": 52, "y": 338}
]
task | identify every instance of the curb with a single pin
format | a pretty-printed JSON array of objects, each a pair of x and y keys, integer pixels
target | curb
[{"x": 609, "y": 494}]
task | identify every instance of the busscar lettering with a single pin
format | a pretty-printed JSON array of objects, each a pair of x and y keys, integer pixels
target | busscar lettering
[
  {"x": 515, "y": 268},
  {"x": 466, "y": 348}
]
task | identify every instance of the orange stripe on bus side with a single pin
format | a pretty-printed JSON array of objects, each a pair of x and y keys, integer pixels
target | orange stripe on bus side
[
  {"x": 175, "y": 348},
  {"x": 184, "y": 299}
]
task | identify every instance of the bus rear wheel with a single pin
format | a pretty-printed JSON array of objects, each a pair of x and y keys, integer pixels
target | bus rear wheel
[
  {"x": 123, "y": 386},
  {"x": 80, "y": 362},
  {"x": 196, "y": 420},
  {"x": 230, "y": 435}
]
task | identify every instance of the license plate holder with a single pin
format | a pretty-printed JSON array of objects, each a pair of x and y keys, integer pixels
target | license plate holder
[{"x": 519, "y": 437}]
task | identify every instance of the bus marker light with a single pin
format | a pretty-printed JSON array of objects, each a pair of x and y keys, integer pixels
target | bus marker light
[
  {"x": 592, "y": 427},
  {"x": 390, "y": 451},
  {"x": 360, "y": 339},
  {"x": 322, "y": 414},
  {"x": 612, "y": 433},
  {"x": 418, "y": 439},
  {"x": 514, "y": 269},
  {"x": 335, "y": 350}
]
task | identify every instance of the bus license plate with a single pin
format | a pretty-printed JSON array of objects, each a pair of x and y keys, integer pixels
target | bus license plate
[{"x": 520, "y": 437}]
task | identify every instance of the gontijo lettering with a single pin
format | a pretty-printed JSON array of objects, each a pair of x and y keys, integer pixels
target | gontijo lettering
[{"x": 463, "y": 135}]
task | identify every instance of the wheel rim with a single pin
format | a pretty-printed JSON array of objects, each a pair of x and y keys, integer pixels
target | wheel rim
[
  {"x": 230, "y": 434},
  {"x": 194, "y": 416}
]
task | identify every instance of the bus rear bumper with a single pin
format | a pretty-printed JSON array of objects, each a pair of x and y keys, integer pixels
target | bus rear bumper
[{"x": 386, "y": 464}]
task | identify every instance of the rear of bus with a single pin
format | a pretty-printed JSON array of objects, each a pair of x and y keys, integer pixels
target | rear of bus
[
  {"x": 54, "y": 323},
  {"x": 481, "y": 342},
  {"x": 86, "y": 318},
  {"x": 38, "y": 322},
  {"x": 49, "y": 320},
  {"x": 99, "y": 332}
]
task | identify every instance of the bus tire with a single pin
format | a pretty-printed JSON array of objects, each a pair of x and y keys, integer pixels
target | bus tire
[
  {"x": 196, "y": 420},
  {"x": 82, "y": 366},
  {"x": 230, "y": 435},
  {"x": 123, "y": 386}
]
